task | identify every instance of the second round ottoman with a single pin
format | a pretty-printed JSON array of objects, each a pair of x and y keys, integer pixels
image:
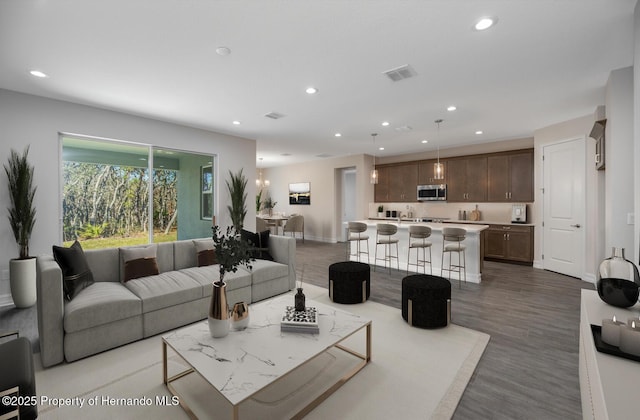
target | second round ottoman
[
  {"x": 349, "y": 282},
  {"x": 426, "y": 301}
]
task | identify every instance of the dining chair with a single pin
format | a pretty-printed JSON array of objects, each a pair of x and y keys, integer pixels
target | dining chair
[{"x": 294, "y": 224}]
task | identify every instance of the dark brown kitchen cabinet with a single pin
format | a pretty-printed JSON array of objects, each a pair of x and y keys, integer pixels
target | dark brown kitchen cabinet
[
  {"x": 509, "y": 243},
  {"x": 397, "y": 183},
  {"x": 381, "y": 189},
  {"x": 426, "y": 173},
  {"x": 467, "y": 179},
  {"x": 403, "y": 183},
  {"x": 510, "y": 177}
]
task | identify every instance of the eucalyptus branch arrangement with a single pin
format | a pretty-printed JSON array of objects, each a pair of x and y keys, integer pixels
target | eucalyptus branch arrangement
[{"x": 231, "y": 251}]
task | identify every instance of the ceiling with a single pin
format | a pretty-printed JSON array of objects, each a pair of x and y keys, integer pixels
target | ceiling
[{"x": 545, "y": 62}]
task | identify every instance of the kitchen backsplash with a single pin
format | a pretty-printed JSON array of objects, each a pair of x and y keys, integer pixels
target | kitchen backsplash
[{"x": 492, "y": 212}]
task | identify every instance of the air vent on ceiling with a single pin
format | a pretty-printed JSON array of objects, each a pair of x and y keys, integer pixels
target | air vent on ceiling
[
  {"x": 404, "y": 129},
  {"x": 323, "y": 155},
  {"x": 400, "y": 73},
  {"x": 274, "y": 115}
]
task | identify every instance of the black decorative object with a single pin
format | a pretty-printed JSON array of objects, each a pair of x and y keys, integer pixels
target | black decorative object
[
  {"x": 426, "y": 301},
  {"x": 300, "y": 301},
  {"x": 349, "y": 282},
  {"x": 618, "y": 280}
]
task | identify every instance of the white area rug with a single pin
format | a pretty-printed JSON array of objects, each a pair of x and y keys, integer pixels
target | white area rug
[{"x": 414, "y": 373}]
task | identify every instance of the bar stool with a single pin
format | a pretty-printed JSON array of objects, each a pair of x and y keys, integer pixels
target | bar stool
[
  {"x": 454, "y": 236},
  {"x": 420, "y": 235},
  {"x": 384, "y": 236},
  {"x": 355, "y": 234}
]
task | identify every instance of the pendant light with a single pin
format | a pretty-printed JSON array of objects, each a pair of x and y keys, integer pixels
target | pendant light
[
  {"x": 260, "y": 182},
  {"x": 373, "y": 177},
  {"x": 438, "y": 168}
]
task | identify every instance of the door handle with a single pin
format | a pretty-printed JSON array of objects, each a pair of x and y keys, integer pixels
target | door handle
[{"x": 576, "y": 225}]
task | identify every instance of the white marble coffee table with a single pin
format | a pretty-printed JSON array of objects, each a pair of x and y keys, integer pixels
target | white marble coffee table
[{"x": 245, "y": 362}]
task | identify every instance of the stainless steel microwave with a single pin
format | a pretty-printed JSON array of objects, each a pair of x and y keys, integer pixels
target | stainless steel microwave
[{"x": 436, "y": 192}]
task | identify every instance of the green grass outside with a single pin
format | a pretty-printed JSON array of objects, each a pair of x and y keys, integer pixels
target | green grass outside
[{"x": 116, "y": 241}]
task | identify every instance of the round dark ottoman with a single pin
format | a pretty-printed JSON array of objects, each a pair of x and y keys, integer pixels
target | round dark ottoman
[
  {"x": 426, "y": 301},
  {"x": 349, "y": 282}
]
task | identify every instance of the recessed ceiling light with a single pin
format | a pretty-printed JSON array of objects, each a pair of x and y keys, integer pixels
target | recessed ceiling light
[
  {"x": 223, "y": 51},
  {"x": 38, "y": 73},
  {"x": 337, "y": 135},
  {"x": 485, "y": 23},
  {"x": 311, "y": 90},
  {"x": 236, "y": 122},
  {"x": 380, "y": 148},
  {"x": 451, "y": 108},
  {"x": 386, "y": 123},
  {"x": 425, "y": 141},
  {"x": 479, "y": 132}
]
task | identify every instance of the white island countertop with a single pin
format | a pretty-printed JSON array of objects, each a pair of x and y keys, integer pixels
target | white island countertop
[
  {"x": 436, "y": 227},
  {"x": 473, "y": 243}
]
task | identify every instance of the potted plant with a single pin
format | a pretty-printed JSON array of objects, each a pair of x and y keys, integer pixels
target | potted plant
[
  {"x": 231, "y": 251},
  {"x": 269, "y": 204},
  {"x": 237, "y": 186},
  {"x": 22, "y": 218},
  {"x": 258, "y": 201},
  {"x": 380, "y": 211}
]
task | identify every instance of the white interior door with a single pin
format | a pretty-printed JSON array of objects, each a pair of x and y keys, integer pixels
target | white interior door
[{"x": 564, "y": 207}]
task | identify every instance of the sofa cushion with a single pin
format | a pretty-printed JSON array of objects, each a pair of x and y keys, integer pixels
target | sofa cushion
[
  {"x": 75, "y": 270},
  {"x": 165, "y": 289},
  {"x": 98, "y": 304},
  {"x": 184, "y": 254},
  {"x": 205, "y": 252},
  {"x": 138, "y": 262},
  {"x": 208, "y": 274},
  {"x": 264, "y": 270},
  {"x": 259, "y": 243}
]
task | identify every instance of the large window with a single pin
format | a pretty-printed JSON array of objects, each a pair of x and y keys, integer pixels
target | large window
[{"x": 109, "y": 198}]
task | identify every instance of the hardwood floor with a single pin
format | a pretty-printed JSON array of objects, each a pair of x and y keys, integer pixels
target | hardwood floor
[{"x": 530, "y": 367}]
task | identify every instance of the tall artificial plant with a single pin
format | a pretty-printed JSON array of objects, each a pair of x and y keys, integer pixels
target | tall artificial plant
[
  {"x": 22, "y": 213},
  {"x": 237, "y": 186}
]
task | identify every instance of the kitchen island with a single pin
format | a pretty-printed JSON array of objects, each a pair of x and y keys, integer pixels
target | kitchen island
[{"x": 473, "y": 242}]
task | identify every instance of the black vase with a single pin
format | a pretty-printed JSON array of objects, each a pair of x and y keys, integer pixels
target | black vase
[
  {"x": 299, "y": 301},
  {"x": 618, "y": 280}
]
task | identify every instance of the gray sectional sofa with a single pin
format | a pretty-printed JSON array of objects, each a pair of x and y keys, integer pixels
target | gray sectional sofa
[{"x": 110, "y": 313}]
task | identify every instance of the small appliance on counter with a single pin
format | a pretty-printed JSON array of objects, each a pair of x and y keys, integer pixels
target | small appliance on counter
[{"x": 519, "y": 213}]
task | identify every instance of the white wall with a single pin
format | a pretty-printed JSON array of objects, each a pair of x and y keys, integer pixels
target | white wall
[
  {"x": 322, "y": 217},
  {"x": 27, "y": 119},
  {"x": 636, "y": 125},
  {"x": 619, "y": 183}
]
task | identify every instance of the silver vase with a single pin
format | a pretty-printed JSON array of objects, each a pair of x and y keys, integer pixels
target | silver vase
[
  {"x": 618, "y": 280},
  {"x": 240, "y": 316},
  {"x": 219, "y": 311}
]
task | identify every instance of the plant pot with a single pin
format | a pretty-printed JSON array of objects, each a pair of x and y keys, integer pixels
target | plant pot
[
  {"x": 22, "y": 275},
  {"x": 219, "y": 311},
  {"x": 380, "y": 214}
]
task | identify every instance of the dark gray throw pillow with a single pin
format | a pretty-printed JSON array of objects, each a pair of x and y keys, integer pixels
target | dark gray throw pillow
[
  {"x": 259, "y": 243},
  {"x": 75, "y": 270}
]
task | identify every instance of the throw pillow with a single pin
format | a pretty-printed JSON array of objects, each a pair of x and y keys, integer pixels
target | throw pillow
[
  {"x": 259, "y": 243},
  {"x": 139, "y": 262},
  {"x": 75, "y": 270},
  {"x": 205, "y": 252}
]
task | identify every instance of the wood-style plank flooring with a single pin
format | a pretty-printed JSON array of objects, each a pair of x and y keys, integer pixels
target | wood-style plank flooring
[{"x": 530, "y": 367}]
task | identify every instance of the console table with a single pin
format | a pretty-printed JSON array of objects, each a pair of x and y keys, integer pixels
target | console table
[{"x": 608, "y": 384}]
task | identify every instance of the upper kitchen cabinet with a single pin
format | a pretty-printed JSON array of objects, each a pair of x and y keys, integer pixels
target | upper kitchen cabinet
[
  {"x": 381, "y": 189},
  {"x": 467, "y": 179},
  {"x": 397, "y": 183},
  {"x": 510, "y": 177},
  {"x": 426, "y": 173}
]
